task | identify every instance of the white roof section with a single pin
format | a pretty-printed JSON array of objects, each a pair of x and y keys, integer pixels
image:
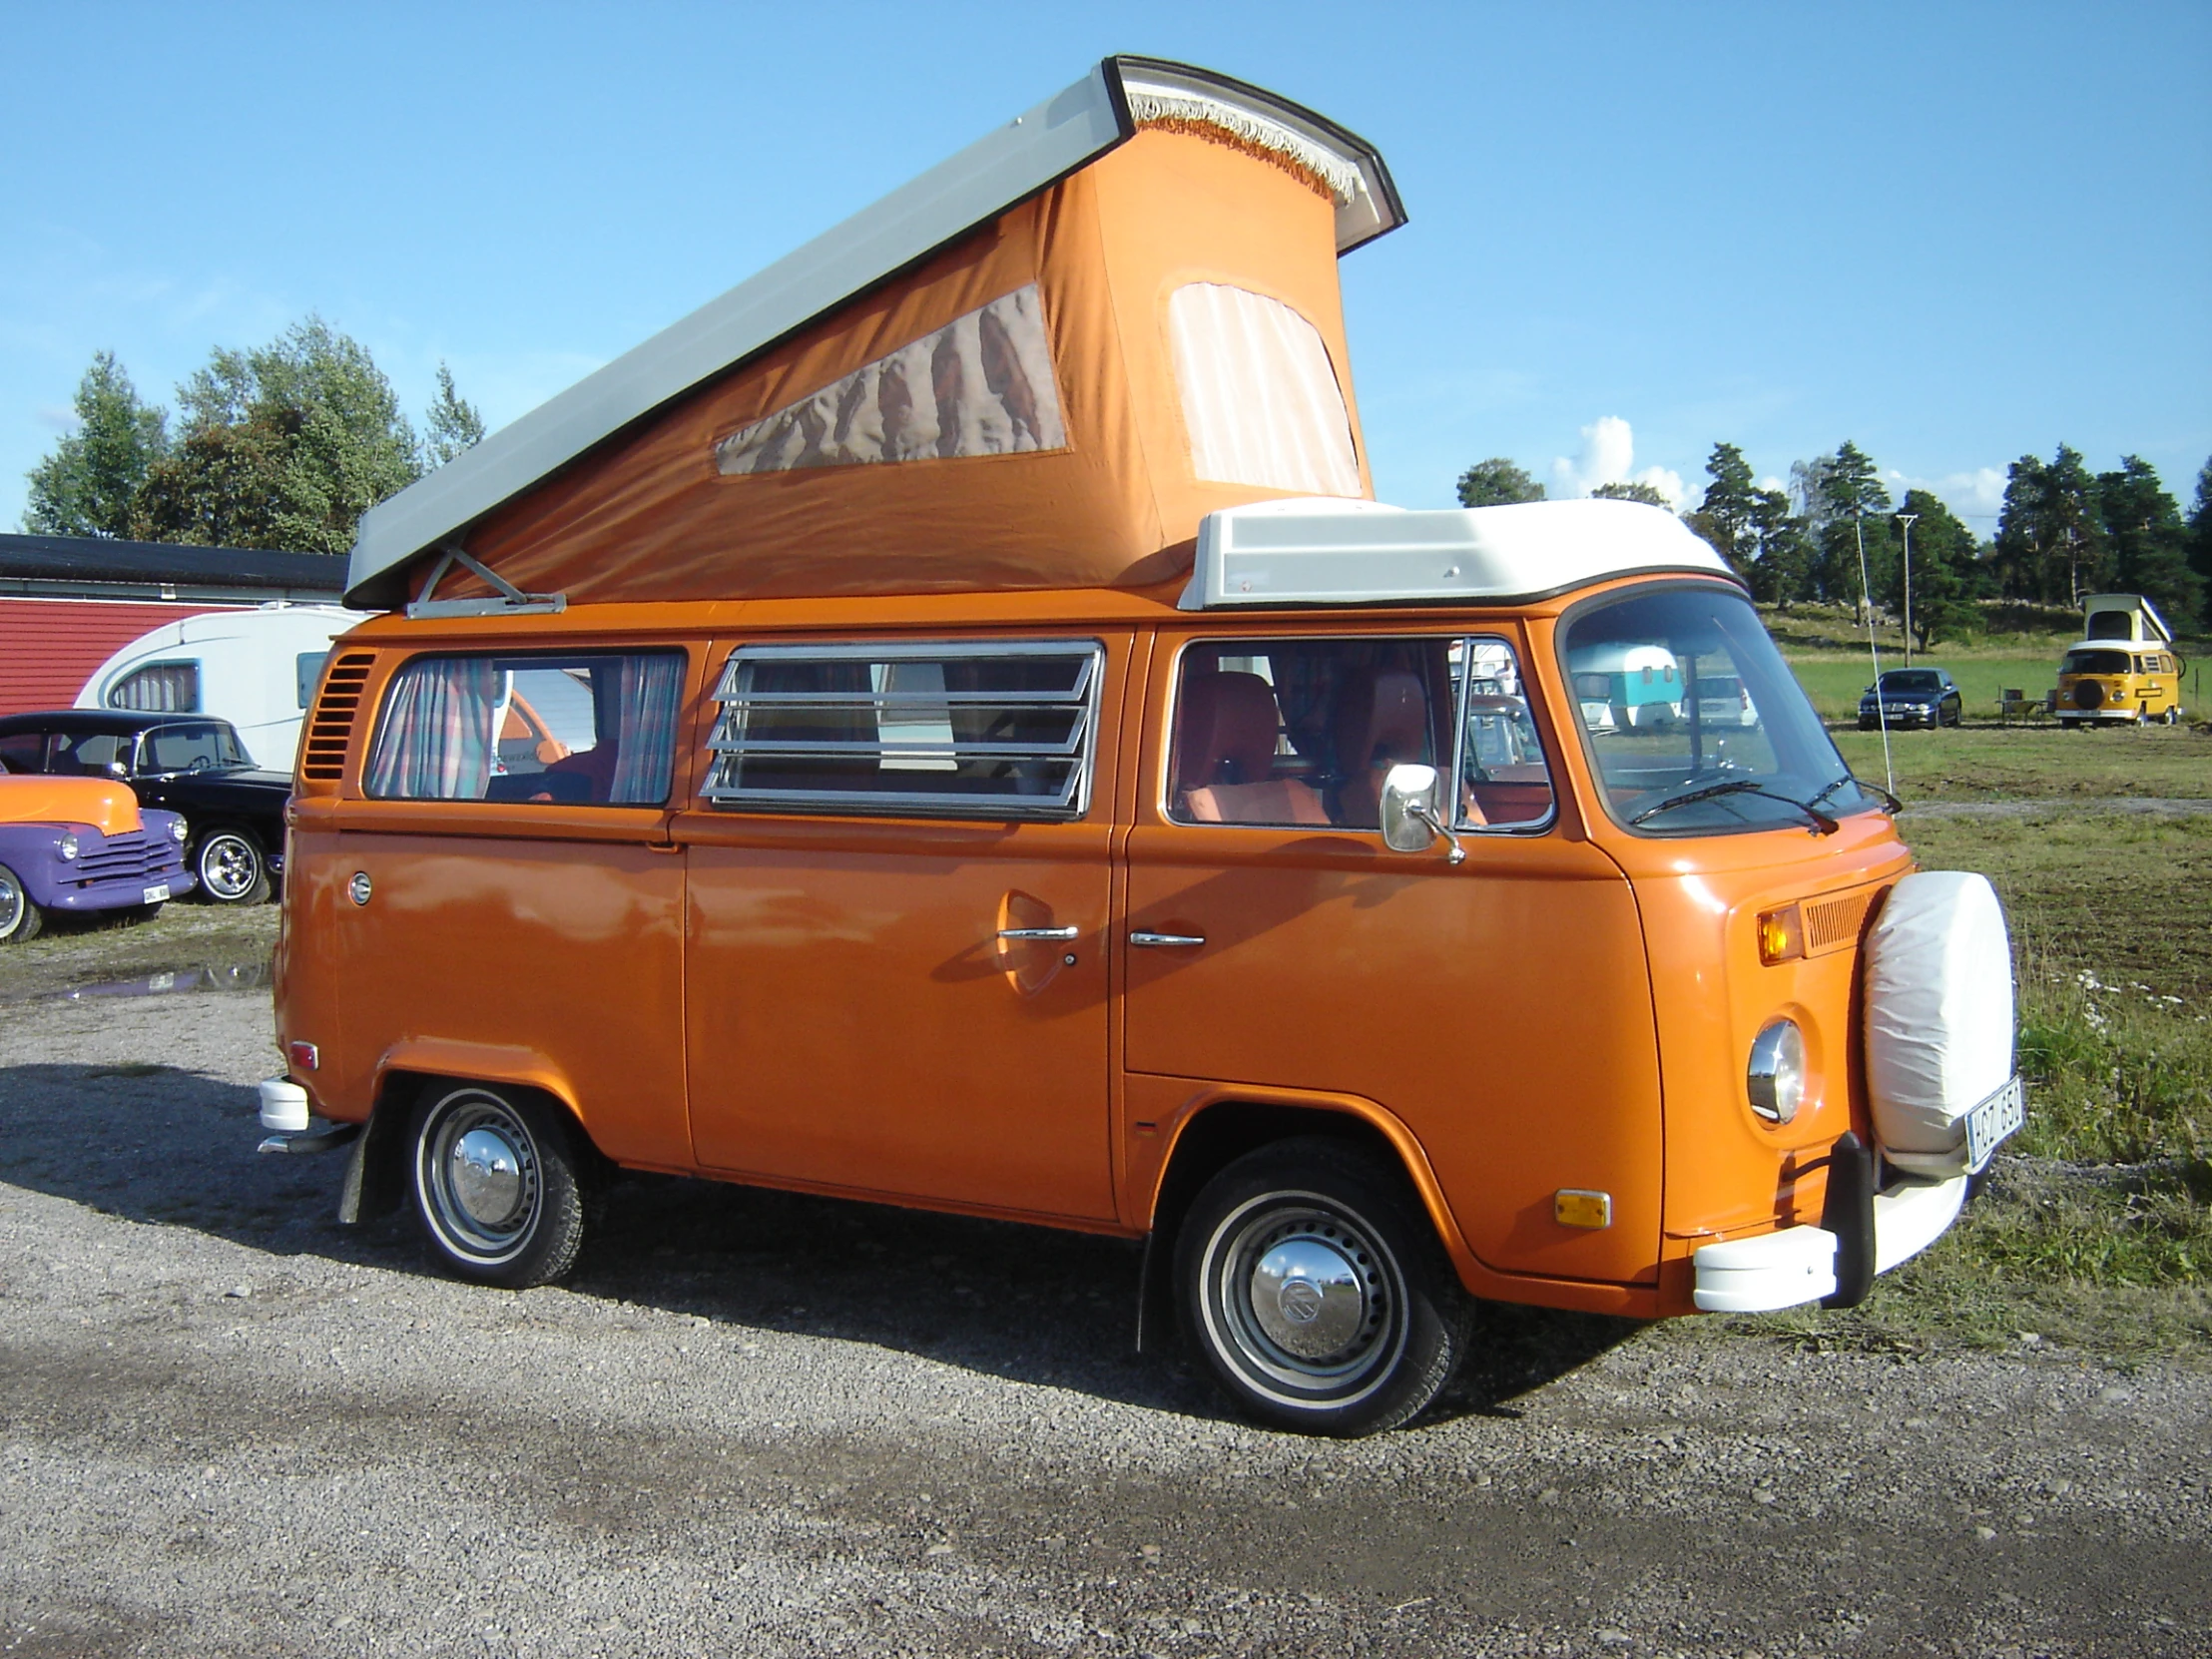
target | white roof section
[
  {"x": 2146, "y": 626},
  {"x": 997, "y": 171},
  {"x": 1328, "y": 552}
]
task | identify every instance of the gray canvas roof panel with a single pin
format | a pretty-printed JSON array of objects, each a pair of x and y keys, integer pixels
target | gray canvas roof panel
[{"x": 1034, "y": 150}]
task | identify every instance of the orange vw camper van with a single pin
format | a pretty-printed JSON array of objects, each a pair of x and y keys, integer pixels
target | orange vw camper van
[{"x": 1013, "y": 767}]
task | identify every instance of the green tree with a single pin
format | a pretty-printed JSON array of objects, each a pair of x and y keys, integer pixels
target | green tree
[
  {"x": 2050, "y": 540},
  {"x": 1631, "y": 491},
  {"x": 1782, "y": 565},
  {"x": 1853, "y": 509},
  {"x": 2148, "y": 543},
  {"x": 284, "y": 447},
  {"x": 1942, "y": 571},
  {"x": 1724, "y": 517},
  {"x": 2200, "y": 530},
  {"x": 451, "y": 426},
  {"x": 85, "y": 487},
  {"x": 1497, "y": 482}
]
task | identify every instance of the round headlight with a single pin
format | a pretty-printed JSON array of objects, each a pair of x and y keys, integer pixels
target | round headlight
[
  {"x": 177, "y": 831},
  {"x": 1776, "y": 1075},
  {"x": 67, "y": 846}
]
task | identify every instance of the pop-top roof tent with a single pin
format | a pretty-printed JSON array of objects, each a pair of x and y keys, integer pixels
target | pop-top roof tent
[{"x": 1039, "y": 364}]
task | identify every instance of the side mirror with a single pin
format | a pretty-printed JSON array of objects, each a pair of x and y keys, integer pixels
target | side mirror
[
  {"x": 115, "y": 768},
  {"x": 1410, "y": 820}
]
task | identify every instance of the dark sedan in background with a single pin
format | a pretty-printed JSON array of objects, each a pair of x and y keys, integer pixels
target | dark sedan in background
[
  {"x": 1912, "y": 697},
  {"x": 185, "y": 764}
]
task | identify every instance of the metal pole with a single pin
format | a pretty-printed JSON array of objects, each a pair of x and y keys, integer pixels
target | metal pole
[
  {"x": 1907, "y": 519},
  {"x": 1881, "y": 713}
]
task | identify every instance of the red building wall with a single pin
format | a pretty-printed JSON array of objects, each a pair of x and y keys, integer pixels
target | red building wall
[{"x": 49, "y": 647}]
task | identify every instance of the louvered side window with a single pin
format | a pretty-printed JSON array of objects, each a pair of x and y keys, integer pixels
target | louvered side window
[
  {"x": 966, "y": 729},
  {"x": 330, "y": 726}
]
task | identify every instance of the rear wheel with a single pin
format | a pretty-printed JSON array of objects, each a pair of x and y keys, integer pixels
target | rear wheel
[
  {"x": 230, "y": 867},
  {"x": 499, "y": 1185},
  {"x": 1316, "y": 1290},
  {"x": 20, "y": 919}
]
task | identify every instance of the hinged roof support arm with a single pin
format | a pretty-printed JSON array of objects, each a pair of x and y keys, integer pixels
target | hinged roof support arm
[{"x": 507, "y": 599}]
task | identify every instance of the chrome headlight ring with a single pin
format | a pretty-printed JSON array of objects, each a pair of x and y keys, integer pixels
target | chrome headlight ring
[
  {"x": 68, "y": 845},
  {"x": 1774, "y": 1079}
]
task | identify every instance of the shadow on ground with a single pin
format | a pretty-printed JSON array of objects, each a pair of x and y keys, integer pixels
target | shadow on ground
[{"x": 156, "y": 1144}]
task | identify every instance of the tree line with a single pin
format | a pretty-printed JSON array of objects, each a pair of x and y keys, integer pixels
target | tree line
[
  {"x": 2064, "y": 532},
  {"x": 280, "y": 446}
]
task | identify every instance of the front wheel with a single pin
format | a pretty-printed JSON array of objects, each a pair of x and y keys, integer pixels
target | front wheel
[
  {"x": 2173, "y": 714},
  {"x": 230, "y": 867},
  {"x": 20, "y": 919},
  {"x": 498, "y": 1185},
  {"x": 1317, "y": 1293}
]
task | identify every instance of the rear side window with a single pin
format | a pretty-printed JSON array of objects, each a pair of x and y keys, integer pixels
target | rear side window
[
  {"x": 588, "y": 730},
  {"x": 23, "y": 751},
  {"x": 971, "y": 731},
  {"x": 158, "y": 689}
]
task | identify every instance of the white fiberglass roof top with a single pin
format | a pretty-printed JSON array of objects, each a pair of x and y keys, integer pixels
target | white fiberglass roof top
[
  {"x": 1034, "y": 150},
  {"x": 1329, "y": 552}
]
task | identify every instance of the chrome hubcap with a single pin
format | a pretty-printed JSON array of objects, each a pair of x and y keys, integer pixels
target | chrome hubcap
[
  {"x": 477, "y": 1172},
  {"x": 11, "y": 907},
  {"x": 1309, "y": 1298},
  {"x": 227, "y": 865},
  {"x": 488, "y": 1176},
  {"x": 1303, "y": 1300}
]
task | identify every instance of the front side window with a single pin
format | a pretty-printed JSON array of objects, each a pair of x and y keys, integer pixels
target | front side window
[
  {"x": 595, "y": 728},
  {"x": 1304, "y": 732},
  {"x": 158, "y": 689},
  {"x": 1694, "y": 724},
  {"x": 962, "y": 729},
  {"x": 188, "y": 746}
]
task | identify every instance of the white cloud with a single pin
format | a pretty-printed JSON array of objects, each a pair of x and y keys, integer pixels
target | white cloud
[
  {"x": 60, "y": 417},
  {"x": 1975, "y": 494},
  {"x": 1607, "y": 457}
]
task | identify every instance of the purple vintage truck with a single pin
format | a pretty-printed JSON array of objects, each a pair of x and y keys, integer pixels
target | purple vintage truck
[{"x": 74, "y": 845}]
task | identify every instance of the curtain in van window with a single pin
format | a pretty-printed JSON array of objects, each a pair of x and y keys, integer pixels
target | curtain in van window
[
  {"x": 647, "y": 690},
  {"x": 1259, "y": 395},
  {"x": 435, "y": 741}
]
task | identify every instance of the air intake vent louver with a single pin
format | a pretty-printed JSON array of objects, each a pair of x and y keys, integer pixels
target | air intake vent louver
[{"x": 331, "y": 724}]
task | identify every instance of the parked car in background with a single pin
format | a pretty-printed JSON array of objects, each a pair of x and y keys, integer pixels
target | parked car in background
[
  {"x": 1912, "y": 697},
  {"x": 1638, "y": 684},
  {"x": 233, "y": 812},
  {"x": 75, "y": 846},
  {"x": 1722, "y": 701},
  {"x": 253, "y": 667}
]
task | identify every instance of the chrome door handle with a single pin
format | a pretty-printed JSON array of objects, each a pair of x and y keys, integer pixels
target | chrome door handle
[
  {"x": 1185, "y": 941},
  {"x": 1039, "y": 933}
]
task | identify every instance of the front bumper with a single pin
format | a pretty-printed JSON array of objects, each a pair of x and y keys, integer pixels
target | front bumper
[
  {"x": 72, "y": 898},
  {"x": 1798, "y": 1264}
]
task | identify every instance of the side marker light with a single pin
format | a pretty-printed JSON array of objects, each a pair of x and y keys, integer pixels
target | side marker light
[
  {"x": 1574, "y": 1208},
  {"x": 1780, "y": 935}
]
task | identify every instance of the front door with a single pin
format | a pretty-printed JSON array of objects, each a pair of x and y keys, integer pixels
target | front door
[
  {"x": 1498, "y": 1007},
  {"x": 897, "y": 932}
]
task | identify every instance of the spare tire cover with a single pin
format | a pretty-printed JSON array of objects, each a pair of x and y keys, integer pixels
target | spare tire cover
[{"x": 1938, "y": 1000}]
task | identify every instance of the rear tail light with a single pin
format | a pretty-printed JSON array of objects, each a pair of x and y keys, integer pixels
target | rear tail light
[{"x": 304, "y": 1056}]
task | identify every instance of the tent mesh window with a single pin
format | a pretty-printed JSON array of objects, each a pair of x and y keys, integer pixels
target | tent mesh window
[{"x": 992, "y": 730}]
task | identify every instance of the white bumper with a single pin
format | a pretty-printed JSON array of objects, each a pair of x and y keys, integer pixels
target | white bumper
[
  {"x": 283, "y": 1105},
  {"x": 1798, "y": 1264}
]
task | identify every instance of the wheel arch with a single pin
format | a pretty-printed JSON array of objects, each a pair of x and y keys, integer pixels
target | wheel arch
[
  {"x": 1220, "y": 1125},
  {"x": 377, "y": 1178}
]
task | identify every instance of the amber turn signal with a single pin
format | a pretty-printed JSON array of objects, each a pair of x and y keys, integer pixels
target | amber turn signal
[
  {"x": 1780, "y": 935},
  {"x": 1572, "y": 1208}
]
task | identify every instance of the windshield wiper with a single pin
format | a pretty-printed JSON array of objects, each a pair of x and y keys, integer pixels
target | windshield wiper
[
  {"x": 1896, "y": 805},
  {"x": 1739, "y": 785}
]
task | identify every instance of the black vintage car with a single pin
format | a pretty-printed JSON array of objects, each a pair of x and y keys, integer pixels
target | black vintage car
[
  {"x": 187, "y": 764},
  {"x": 1912, "y": 697}
]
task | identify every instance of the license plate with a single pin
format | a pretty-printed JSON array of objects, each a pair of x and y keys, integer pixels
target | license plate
[
  {"x": 1989, "y": 1123},
  {"x": 157, "y": 892}
]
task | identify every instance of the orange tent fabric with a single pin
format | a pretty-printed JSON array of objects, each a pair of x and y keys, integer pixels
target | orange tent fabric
[{"x": 651, "y": 515}]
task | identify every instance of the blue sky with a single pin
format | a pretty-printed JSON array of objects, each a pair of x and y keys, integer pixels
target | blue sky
[{"x": 1954, "y": 234}]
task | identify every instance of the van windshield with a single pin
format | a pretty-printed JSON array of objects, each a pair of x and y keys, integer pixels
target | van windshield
[
  {"x": 1694, "y": 724},
  {"x": 2094, "y": 662}
]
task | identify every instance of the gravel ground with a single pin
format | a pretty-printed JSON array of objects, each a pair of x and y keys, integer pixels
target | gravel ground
[
  {"x": 2156, "y": 806},
  {"x": 764, "y": 1424}
]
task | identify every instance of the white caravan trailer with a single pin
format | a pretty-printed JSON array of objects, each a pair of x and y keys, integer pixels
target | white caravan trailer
[{"x": 255, "y": 668}]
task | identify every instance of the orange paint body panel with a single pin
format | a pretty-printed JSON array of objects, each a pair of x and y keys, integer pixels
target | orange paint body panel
[
  {"x": 109, "y": 807},
  {"x": 823, "y": 1002}
]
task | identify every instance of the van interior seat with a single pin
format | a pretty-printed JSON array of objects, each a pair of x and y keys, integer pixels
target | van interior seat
[
  {"x": 1381, "y": 722},
  {"x": 1225, "y": 757},
  {"x": 594, "y": 767}
]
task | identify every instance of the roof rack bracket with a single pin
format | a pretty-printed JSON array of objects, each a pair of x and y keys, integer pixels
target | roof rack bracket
[{"x": 507, "y": 600}]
